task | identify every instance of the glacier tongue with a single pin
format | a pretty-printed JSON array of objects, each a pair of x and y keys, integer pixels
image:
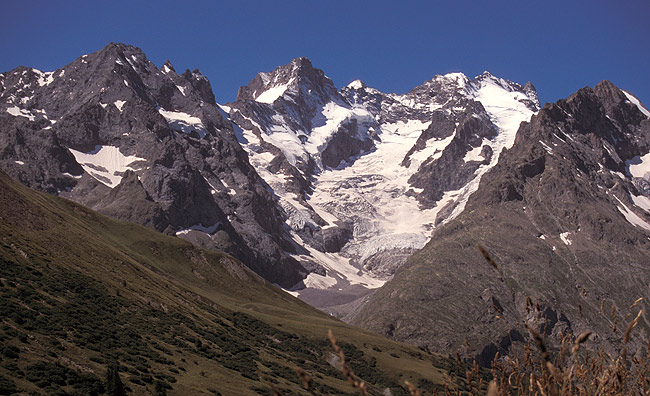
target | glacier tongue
[{"x": 360, "y": 215}]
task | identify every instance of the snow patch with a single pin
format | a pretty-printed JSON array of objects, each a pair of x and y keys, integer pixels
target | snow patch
[
  {"x": 183, "y": 122},
  {"x": 432, "y": 151},
  {"x": 119, "y": 104},
  {"x": 565, "y": 238},
  {"x": 356, "y": 84},
  {"x": 457, "y": 78},
  {"x": 272, "y": 94},
  {"x": 475, "y": 153},
  {"x": 637, "y": 103},
  {"x": 332, "y": 116},
  {"x": 546, "y": 147},
  {"x": 639, "y": 166},
  {"x": 641, "y": 201},
  {"x": 505, "y": 108},
  {"x": 199, "y": 227},
  {"x": 316, "y": 281},
  {"x": 18, "y": 112},
  {"x": 44, "y": 79},
  {"x": 337, "y": 268},
  {"x": 106, "y": 164},
  {"x": 182, "y": 89},
  {"x": 632, "y": 217},
  {"x": 20, "y": 162}
]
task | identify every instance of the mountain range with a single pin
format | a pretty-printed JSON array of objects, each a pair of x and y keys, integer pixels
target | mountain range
[{"x": 367, "y": 205}]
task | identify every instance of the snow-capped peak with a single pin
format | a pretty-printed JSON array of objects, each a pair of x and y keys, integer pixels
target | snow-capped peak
[
  {"x": 351, "y": 158},
  {"x": 298, "y": 77},
  {"x": 356, "y": 84},
  {"x": 167, "y": 67},
  {"x": 459, "y": 79}
]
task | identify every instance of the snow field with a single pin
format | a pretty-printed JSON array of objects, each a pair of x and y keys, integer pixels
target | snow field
[
  {"x": 106, "y": 164},
  {"x": 183, "y": 122}
]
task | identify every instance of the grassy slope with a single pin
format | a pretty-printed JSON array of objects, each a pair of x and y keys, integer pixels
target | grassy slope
[{"x": 80, "y": 290}]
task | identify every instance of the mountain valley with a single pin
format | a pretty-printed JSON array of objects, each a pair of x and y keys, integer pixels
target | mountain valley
[{"x": 369, "y": 206}]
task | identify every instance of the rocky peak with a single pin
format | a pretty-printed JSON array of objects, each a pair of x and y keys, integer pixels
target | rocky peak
[
  {"x": 167, "y": 67},
  {"x": 298, "y": 78},
  {"x": 356, "y": 84},
  {"x": 200, "y": 84},
  {"x": 529, "y": 97},
  {"x": 530, "y": 91},
  {"x": 100, "y": 130}
]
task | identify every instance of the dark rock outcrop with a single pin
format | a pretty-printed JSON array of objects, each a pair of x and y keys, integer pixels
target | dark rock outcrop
[{"x": 112, "y": 131}]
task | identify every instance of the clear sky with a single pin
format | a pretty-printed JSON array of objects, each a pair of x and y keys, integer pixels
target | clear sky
[{"x": 560, "y": 46}]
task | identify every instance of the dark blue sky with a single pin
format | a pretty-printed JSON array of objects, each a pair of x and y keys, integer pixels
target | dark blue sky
[{"x": 560, "y": 46}]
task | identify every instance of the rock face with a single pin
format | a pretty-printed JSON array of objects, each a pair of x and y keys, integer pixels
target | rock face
[
  {"x": 565, "y": 213},
  {"x": 112, "y": 131},
  {"x": 364, "y": 176}
]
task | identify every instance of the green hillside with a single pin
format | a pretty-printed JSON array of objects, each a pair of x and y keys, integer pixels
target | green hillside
[{"x": 81, "y": 293}]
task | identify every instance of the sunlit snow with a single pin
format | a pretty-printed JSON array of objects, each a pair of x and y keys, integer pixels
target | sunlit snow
[
  {"x": 183, "y": 122},
  {"x": 356, "y": 84},
  {"x": 106, "y": 164},
  {"x": 18, "y": 112},
  {"x": 639, "y": 166},
  {"x": 373, "y": 190},
  {"x": 475, "y": 153},
  {"x": 272, "y": 94},
  {"x": 119, "y": 104},
  {"x": 632, "y": 217},
  {"x": 565, "y": 238},
  {"x": 44, "y": 78},
  {"x": 199, "y": 227},
  {"x": 637, "y": 103},
  {"x": 641, "y": 201}
]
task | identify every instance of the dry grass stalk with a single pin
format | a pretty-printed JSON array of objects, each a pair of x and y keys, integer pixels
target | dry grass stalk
[
  {"x": 581, "y": 338},
  {"x": 276, "y": 391},
  {"x": 353, "y": 380},
  {"x": 412, "y": 389},
  {"x": 577, "y": 374},
  {"x": 539, "y": 342},
  {"x": 487, "y": 257},
  {"x": 493, "y": 390},
  {"x": 305, "y": 379},
  {"x": 630, "y": 326},
  {"x": 638, "y": 300}
]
